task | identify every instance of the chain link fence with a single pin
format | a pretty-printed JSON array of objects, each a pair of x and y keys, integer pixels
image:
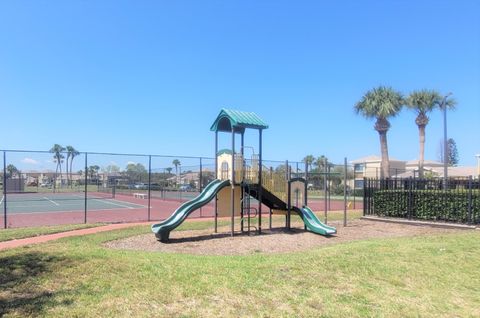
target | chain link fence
[{"x": 45, "y": 188}]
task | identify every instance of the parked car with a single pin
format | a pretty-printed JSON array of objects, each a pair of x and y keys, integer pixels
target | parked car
[
  {"x": 185, "y": 188},
  {"x": 141, "y": 186}
]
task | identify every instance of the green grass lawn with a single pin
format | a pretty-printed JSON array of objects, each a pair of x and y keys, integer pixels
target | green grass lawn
[
  {"x": 431, "y": 276},
  {"x": 15, "y": 234}
]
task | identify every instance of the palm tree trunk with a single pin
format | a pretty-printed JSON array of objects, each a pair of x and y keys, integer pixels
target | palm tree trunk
[
  {"x": 60, "y": 166},
  {"x": 385, "y": 171},
  {"x": 421, "y": 155},
  {"x": 66, "y": 170},
  {"x": 55, "y": 179},
  {"x": 71, "y": 175}
]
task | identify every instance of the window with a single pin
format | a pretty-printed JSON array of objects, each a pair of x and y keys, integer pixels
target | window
[
  {"x": 359, "y": 167},
  {"x": 224, "y": 171},
  {"x": 358, "y": 184}
]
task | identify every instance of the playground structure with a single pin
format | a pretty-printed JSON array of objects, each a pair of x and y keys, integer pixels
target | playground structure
[{"x": 239, "y": 180}]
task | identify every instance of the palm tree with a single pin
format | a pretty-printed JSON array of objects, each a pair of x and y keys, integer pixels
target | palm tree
[
  {"x": 58, "y": 158},
  {"x": 422, "y": 102},
  {"x": 308, "y": 160},
  {"x": 320, "y": 162},
  {"x": 381, "y": 103},
  {"x": 72, "y": 153},
  {"x": 176, "y": 163},
  {"x": 169, "y": 170},
  {"x": 11, "y": 170}
]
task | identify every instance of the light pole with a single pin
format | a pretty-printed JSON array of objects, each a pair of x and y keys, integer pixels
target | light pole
[{"x": 443, "y": 105}]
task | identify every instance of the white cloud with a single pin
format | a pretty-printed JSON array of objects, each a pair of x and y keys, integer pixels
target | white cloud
[
  {"x": 131, "y": 163},
  {"x": 30, "y": 161}
]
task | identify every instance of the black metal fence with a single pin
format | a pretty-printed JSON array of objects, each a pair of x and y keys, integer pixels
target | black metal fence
[{"x": 457, "y": 200}]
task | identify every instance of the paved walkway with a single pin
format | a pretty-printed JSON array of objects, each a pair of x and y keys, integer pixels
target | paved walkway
[
  {"x": 51, "y": 237},
  {"x": 109, "y": 227}
]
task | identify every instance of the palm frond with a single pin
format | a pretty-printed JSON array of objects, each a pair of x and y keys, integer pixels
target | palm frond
[{"x": 380, "y": 102}]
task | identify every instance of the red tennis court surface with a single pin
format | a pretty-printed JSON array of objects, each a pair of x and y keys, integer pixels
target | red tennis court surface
[{"x": 135, "y": 210}]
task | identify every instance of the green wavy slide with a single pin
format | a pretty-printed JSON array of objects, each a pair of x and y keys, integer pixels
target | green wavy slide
[
  {"x": 162, "y": 230},
  {"x": 313, "y": 223}
]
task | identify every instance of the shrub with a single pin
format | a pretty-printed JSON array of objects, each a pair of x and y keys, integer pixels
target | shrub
[{"x": 451, "y": 206}]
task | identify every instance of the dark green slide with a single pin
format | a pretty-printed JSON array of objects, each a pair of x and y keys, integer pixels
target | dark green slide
[
  {"x": 313, "y": 223},
  {"x": 162, "y": 230}
]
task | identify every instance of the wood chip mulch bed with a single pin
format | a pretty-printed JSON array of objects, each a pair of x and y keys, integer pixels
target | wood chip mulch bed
[{"x": 204, "y": 242}]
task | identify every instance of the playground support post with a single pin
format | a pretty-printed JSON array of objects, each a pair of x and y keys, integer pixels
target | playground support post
[
  {"x": 260, "y": 164},
  {"x": 4, "y": 190},
  {"x": 345, "y": 191},
  {"x": 306, "y": 191},
  {"x": 328, "y": 187},
  {"x": 232, "y": 191},
  {"x": 86, "y": 194},
  {"x": 242, "y": 192},
  {"x": 149, "y": 183},
  {"x": 306, "y": 183},
  {"x": 325, "y": 198},
  {"x": 288, "y": 196},
  {"x": 216, "y": 177}
]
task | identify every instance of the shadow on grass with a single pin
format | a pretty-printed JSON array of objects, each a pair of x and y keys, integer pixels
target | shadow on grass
[{"x": 19, "y": 275}]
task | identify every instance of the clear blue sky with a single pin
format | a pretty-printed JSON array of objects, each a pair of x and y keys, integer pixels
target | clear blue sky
[{"x": 151, "y": 76}]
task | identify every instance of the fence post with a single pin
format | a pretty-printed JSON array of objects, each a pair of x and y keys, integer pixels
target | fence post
[
  {"x": 364, "y": 196},
  {"x": 149, "y": 183},
  {"x": 409, "y": 212},
  {"x": 470, "y": 185},
  {"x": 345, "y": 192},
  {"x": 200, "y": 185},
  {"x": 4, "y": 190},
  {"x": 86, "y": 182}
]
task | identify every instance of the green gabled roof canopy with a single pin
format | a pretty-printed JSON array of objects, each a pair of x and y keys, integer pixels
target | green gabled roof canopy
[
  {"x": 221, "y": 152},
  {"x": 238, "y": 119}
]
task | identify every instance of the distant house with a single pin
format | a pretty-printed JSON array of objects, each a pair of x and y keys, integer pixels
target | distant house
[{"x": 369, "y": 167}]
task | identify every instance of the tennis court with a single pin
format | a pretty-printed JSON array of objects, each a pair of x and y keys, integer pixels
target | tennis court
[{"x": 28, "y": 203}]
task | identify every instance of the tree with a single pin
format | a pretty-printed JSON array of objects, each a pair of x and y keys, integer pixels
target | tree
[
  {"x": 281, "y": 169},
  {"x": 176, "y": 163},
  {"x": 169, "y": 170},
  {"x": 111, "y": 169},
  {"x": 452, "y": 152},
  {"x": 422, "y": 102},
  {"x": 381, "y": 103},
  {"x": 71, "y": 153},
  {"x": 308, "y": 160},
  {"x": 93, "y": 172},
  {"x": 320, "y": 163},
  {"x": 136, "y": 172},
  {"x": 11, "y": 170},
  {"x": 58, "y": 159}
]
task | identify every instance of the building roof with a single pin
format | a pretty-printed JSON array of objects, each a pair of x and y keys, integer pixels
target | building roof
[
  {"x": 372, "y": 158},
  {"x": 425, "y": 163},
  {"x": 458, "y": 171},
  {"x": 238, "y": 119}
]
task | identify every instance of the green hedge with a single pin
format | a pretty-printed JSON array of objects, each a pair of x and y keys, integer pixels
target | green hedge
[{"x": 450, "y": 206}]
